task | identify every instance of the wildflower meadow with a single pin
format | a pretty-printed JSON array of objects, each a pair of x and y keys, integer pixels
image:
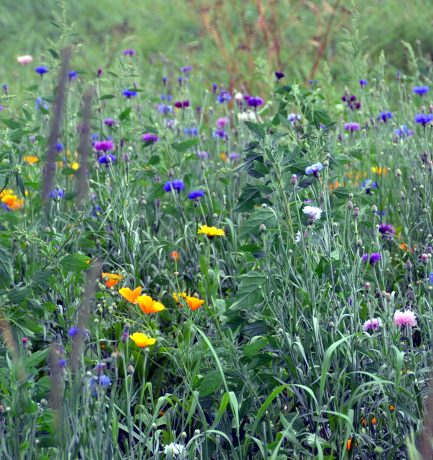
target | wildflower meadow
[{"x": 216, "y": 264}]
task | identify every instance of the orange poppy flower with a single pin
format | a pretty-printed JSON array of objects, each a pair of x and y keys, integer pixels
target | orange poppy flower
[
  {"x": 349, "y": 444},
  {"x": 148, "y": 305},
  {"x": 130, "y": 295},
  {"x": 391, "y": 408},
  {"x": 175, "y": 255},
  {"x": 374, "y": 421},
  {"x": 111, "y": 279},
  {"x": 193, "y": 302}
]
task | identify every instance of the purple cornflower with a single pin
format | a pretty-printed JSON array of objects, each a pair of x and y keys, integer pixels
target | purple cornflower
[
  {"x": 223, "y": 96},
  {"x": 41, "y": 70},
  {"x": 186, "y": 69},
  {"x": 314, "y": 169},
  {"x": 254, "y": 101},
  {"x": 363, "y": 83},
  {"x": 430, "y": 278},
  {"x": 181, "y": 104},
  {"x": 72, "y": 75},
  {"x": 375, "y": 257},
  {"x": 352, "y": 126},
  {"x": 222, "y": 122},
  {"x": 234, "y": 156},
  {"x": 104, "y": 145},
  {"x": 423, "y": 118},
  {"x": 5, "y": 89},
  {"x": 372, "y": 325},
  {"x": 220, "y": 133},
  {"x": 420, "y": 90},
  {"x": 109, "y": 122},
  {"x": 73, "y": 331},
  {"x": 150, "y": 137},
  {"x": 279, "y": 75},
  {"x": 57, "y": 193},
  {"x": 176, "y": 184},
  {"x": 384, "y": 116},
  {"x": 107, "y": 159},
  {"x": 387, "y": 230},
  {"x": 196, "y": 194},
  {"x": 61, "y": 363},
  {"x": 129, "y": 52},
  {"x": 129, "y": 93},
  {"x": 214, "y": 88},
  {"x": 203, "y": 155}
]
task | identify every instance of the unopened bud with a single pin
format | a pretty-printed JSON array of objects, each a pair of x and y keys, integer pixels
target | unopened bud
[{"x": 262, "y": 227}]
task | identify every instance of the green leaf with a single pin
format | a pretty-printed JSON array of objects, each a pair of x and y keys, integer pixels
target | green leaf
[
  {"x": 106, "y": 96},
  {"x": 6, "y": 273},
  {"x": 251, "y": 349},
  {"x": 256, "y": 129},
  {"x": 182, "y": 147},
  {"x": 251, "y": 196},
  {"x": 75, "y": 262},
  {"x": 211, "y": 382},
  {"x": 250, "y": 291},
  {"x": 265, "y": 216},
  {"x": 125, "y": 114}
]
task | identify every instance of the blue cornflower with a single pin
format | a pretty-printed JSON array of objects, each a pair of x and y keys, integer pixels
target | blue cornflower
[
  {"x": 59, "y": 146},
  {"x": 73, "y": 331},
  {"x": 191, "y": 131},
  {"x": 57, "y": 193},
  {"x": 385, "y": 116},
  {"x": 5, "y": 89},
  {"x": 423, "y": 118},
  {"x": 101, "y": 381},
  {"x": 314, "y": 169},
  {"x": 214, "y": 88},
  {"x": 196, "y": 194},
  {"x": 421, "y": 90},
  {"x": 72, "y": 75},
  {"x": 367, "y": 185},
  {"x": 40, "y": 102},
  {"x": 128, "y": 93},
  {"x": 61, "y": 362},
  {"x": 363, "y": 83},
  {"x": 403, "y": 132},
  {"x": 430, "y": 278},
  {"x": 224, "y": 96},
  {"x": 41, "y": 70},
  {"x": 107, "y": 159},
  {"x": 176, "y": 184},
  {"x": 165, "y": 109}
]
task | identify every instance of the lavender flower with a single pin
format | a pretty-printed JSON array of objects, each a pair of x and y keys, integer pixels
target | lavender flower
[{"x": 109, "y": 122}]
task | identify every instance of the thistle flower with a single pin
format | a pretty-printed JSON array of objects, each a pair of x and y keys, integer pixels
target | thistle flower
[
  {"x": 196, "y": 194},
  {"x": 314, "y": 169},
  {"x": 150, "y": 137},
  {"x": 25, "y": 59},
  {"x": 142, "y": 340},
  {"x": 41, "y": 70},
  {"x": 372, "y": 325},
  {"x": 405, "y": 318},
  {"x": 129, "y": 93},
  {"x": 104, "y": 145},
  {"x": 420, "y": 90},
  {"x": 210, "y": 232},
  {"x": 313, "y": 213}
]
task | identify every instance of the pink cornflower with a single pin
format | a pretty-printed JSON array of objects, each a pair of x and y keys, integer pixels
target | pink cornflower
[
  {"x": 405, "y": 318},
  {"x": 372, "y": 325},
  {"x": 26, "y": 59}
]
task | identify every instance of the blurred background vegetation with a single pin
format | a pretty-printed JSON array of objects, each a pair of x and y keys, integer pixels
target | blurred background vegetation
[{"x": 230, "y": 40}]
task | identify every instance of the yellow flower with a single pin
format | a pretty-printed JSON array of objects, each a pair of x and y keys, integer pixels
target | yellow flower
[
  {"x": 75, "y": 165},
  {"x": 148, "y": 305},
  {"x": 130, "y": 295},
  {"x": 223, "y": 156},
  {"x": 111, "y": 279},
  {"x": 210, "y": 232},
  {"x": 379, "y": 170},
  {"x": 142, "y": 340},
  {"x": 31, "y": 159},
  {"x": 9, "y": 198}
]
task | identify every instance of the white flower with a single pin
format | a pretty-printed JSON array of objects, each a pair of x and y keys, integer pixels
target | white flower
[
  {"x": 239, "y": 97},
  {"x": 312, "y": 212},
  {"x": 298, "y": 237},
  {"x": 26, "y": 59},
  {"x": 249, "y": 115},
  {"x": 177, "y": 450}
]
